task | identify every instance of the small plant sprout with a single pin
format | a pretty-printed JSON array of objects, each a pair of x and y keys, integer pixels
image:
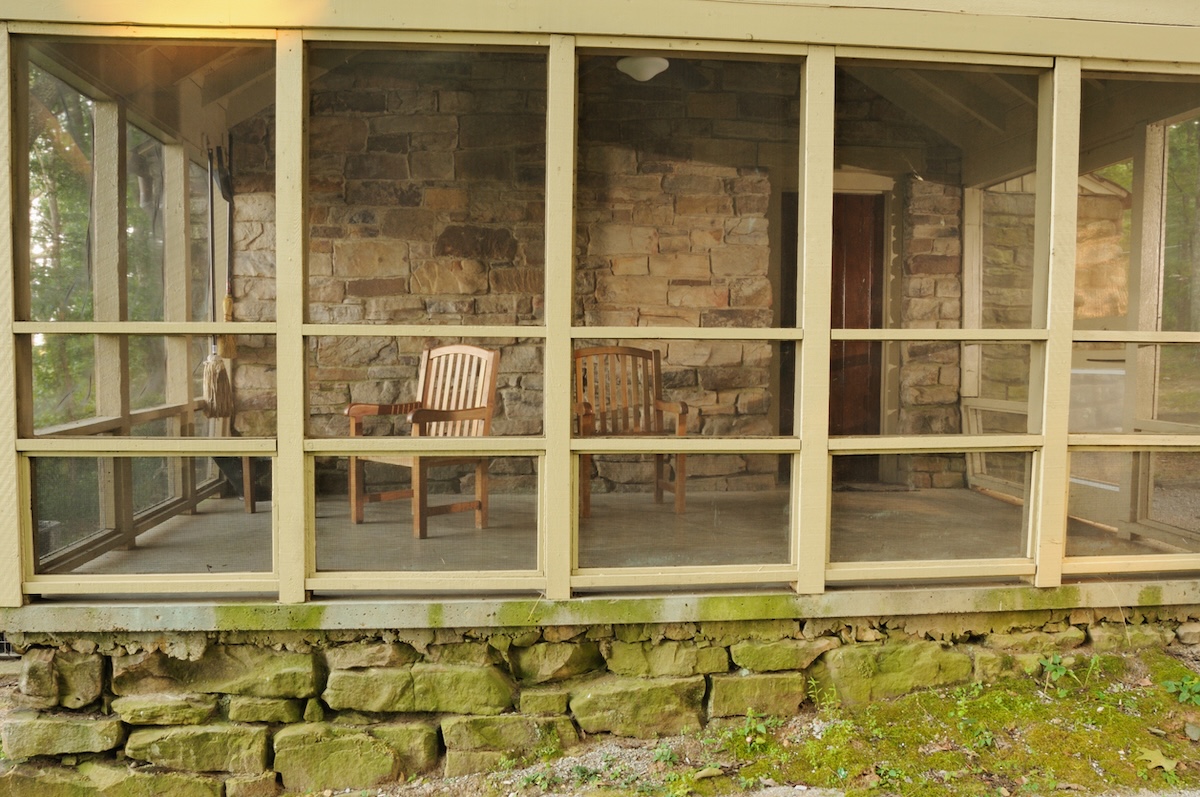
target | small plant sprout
[{"x": 1186, "y": 689}]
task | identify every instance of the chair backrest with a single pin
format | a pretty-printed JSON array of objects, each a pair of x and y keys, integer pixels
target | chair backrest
[
  {"x": 458, "y": 377},
  {"x": 620, "y": 384}
]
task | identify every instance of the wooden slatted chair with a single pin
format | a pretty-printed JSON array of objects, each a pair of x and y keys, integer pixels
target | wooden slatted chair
[
  {"x": 618, "y": 391},
  {"x": 456, "y": 393}
]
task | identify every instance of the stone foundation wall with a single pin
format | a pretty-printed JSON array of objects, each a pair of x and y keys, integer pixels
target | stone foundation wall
[{"x": 243, "y": 714}]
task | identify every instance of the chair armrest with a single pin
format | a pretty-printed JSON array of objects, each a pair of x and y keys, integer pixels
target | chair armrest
[
  {"x": 361, "y": 410},
  {"x": 356, "y": 413},
  {"x": 420, "y": 418},
  {"x": 680, "y": 408},
  {"x": 587, "y": 418}
]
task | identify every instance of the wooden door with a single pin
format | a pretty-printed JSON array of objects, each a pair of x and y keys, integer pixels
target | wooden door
[{"x": 856, "y": 367}]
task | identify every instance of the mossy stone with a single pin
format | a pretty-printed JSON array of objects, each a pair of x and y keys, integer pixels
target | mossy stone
[
  {"x": 243, "y": 708},
  {"x": 359, "y": 655},
  {"x": 858, "y": 674},
  {"x": 415, "y": 743},
  {"x": 166, "y": 709},
  {"x": 221, "y": 669},
  {"x": 31, "y": 733},
  {"x": 551, "y": 700},
  {"x": 80, "y": 678},
  {"x": 1038, "y": 641},
  {"x": 319, "y": 756},
  {"x": 765, "y": 694},
  {"x": 468, "y": 762},
  {"x": 666, "y": 659},
  {"x": 378, "y": 689},
  {"x": 639, "y": 707},
  {"x": 1119, "y": 636},
  {"x": 264, "y": 784},
  {"x": 783, "y": 654},
  {"x": 220, "y": 747},
  {"x": 554, "y": 661},
  {"x": 508, "y": 732},
  {"x": 462, "y": 689}
]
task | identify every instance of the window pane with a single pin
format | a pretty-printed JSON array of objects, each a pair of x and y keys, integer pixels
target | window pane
[
  {"x": 454, "y": 539},
  {"x": 1132, "y": 503},
  {"x": 190, "y": 81},
  {"x": 910, "y": 141},
  {"x": 686, "y": 193},
  {"x": 427, "y": 186},
  {"x": 171, "y": 373},
  {"x": 728, "y": 388},
  {"x": 60, "y": 194},
  {"x": 201, "y": 306},
  {"x": 928, "y": 387},
  {"x": 63, "y": 379},
  {"x": 1119, "y": 388},
  {"x": 164, "y": 524},
  {"x": 930, "y": 506},
  {"x": 144, "y": 207},
  {"x": 387, "y": 370},
  {"x": 734, "y": 510},
  {"x": 1137, "y": 266}
]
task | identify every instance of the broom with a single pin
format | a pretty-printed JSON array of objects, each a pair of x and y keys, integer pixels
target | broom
[
  {"x": 218, "y": 390},
  {"x": 227, "y": 344}
]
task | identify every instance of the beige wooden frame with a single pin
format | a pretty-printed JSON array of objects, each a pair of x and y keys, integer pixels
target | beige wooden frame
[{"x": 866, "y": 33}]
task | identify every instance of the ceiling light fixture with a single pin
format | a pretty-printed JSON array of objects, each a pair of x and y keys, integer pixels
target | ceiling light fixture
[{"x": 642, "y": 67}]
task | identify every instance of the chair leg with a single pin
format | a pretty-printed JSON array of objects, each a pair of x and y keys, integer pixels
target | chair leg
[
  {"x": 420, "y": 502},
  {"x": 481, "y": 494},
  {"x": 585, "y": 485},
  {"x": 680, "y": 482},
  {"x": 248, "y": 484},
  {"x": 659, "y": 461},
  {"x": 357, "y": 489}
]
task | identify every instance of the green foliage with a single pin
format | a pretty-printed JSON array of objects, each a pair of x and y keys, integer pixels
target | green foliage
[
  {"x": 663, "y": 754},
  {"x": 1186, "y": 689}
]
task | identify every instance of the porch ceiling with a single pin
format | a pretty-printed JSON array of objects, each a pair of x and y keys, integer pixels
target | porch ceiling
[{"x": 992, "y": 117}]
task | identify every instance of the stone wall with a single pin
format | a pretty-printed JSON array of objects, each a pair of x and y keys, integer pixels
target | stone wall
[{"x": 241, "y": 714}]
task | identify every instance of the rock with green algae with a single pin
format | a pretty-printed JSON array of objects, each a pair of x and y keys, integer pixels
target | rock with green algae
[
  {"x": 639, "y": 707},
  {"x": 461, "y": 689},
  {"x": 220, "y": 747},
  {"x": 264, "y": 784},
  {"x": 1107, "y": 637},
  {"x": 222, "y": 669},
  {"x": 415, "y": 743},
  {"x": 377, "y": 689},
  {"x": 244, "y": 708},
  {"x": 361, "y": 655},
  {"x": 509, "y": 733},
  {"x": 544, "y": 700},
  {"x": 468, "y": 762},
  {"x": 316, "y": 756},
  {"x": 664, "y": 659},
  {"x": 783, "y": 654},
  {"x": 95, "y": 779},
  {"x": 766, "y": 694},
  {"x": 32, "y": 733},
  {"x": 166, "y": 709},
  {"x": 1038, "y": 641},
  {"x": 554, "y": 661},
  {"x": 80, "y": 678},
  {"x": 858, "y": 674}
]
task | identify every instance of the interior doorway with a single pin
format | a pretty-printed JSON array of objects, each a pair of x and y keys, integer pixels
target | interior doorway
[{"x": 856, "y": 302}]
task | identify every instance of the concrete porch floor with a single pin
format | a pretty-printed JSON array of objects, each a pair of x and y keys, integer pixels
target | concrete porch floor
[{"x": 628, "y": 529}]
